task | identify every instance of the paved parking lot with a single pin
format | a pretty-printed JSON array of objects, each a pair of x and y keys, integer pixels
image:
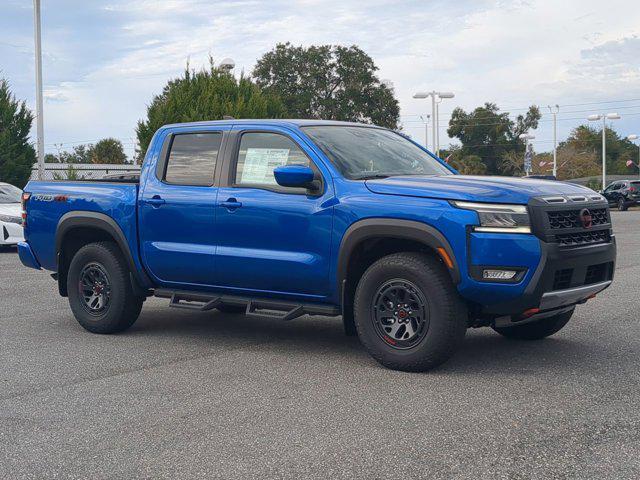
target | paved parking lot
[{"x": 195, "y": 395}]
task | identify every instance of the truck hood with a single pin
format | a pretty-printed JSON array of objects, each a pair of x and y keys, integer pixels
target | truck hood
[
  {"x": 473, "y": 188},
  {"x": 12, "y": 209}
]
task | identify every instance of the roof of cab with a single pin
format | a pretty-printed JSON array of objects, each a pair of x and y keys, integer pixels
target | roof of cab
[{"x": 265, "y": 121}]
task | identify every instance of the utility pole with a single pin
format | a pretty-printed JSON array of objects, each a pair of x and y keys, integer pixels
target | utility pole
[
  {"x": 39, "y": 113},
  {"x": 437, "y": 124},
  {"x": 554, "y": 112},
  {"x": 425, "y": 119},
  {"x": 434, "y": 120},
  {"x": 604, "y": 117},
  {"x": 631, "y": 138}
]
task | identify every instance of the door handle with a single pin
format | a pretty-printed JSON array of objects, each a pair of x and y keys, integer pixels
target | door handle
[
  {"x": 231, "y": 204},
  {"x": 155, "y": 201}
]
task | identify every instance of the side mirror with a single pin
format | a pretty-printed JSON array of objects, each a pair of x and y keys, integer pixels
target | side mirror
[{"x": 296, "y": 176}]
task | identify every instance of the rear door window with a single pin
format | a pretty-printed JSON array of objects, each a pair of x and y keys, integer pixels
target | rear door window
[{"x": 192, "y": 158}]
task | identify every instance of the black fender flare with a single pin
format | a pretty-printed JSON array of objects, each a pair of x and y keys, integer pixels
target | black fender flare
[
  {"x": 100, "y": 221},
  {"x": 392, "y": 228}
]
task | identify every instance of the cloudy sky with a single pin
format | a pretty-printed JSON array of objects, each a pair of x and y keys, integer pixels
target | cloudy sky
[{"x": 104, "y": 60}]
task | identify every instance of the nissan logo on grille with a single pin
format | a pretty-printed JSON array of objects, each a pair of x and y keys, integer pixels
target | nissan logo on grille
[{"x": 585, "y": 218}]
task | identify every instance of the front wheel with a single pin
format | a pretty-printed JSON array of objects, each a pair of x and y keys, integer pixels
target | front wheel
[
  {"x": 407, "y": 312},
  {"x": 536, "y": 330},
  {"x": 622, "y": 205},
  {"x": 100, "y": 292}
]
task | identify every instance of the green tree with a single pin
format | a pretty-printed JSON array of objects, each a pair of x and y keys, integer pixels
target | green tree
[
  {"x": 78, "y": 154},
  {"x": 208, "y": 94},
  {"x": 572, "y": 163},
  {"x": 17, "y": 155},
  {"x": 586, "y": 139},
  {"x": 327, "y": 82},
  {"x": 108, "y": 150},
  {"x": 71, "y": 173},
  {"x": 469, "y": 165},
  {"x": 491, "y": 135}
]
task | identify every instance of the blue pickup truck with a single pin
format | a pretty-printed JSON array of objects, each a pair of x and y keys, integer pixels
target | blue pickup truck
[{"x": 284, "y": 218}]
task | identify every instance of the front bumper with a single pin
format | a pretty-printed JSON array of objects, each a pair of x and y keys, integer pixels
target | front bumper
[{"x": 564, "y": 277}]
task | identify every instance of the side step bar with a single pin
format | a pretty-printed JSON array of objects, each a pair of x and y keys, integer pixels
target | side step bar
[{"x": 255, "y": 307}]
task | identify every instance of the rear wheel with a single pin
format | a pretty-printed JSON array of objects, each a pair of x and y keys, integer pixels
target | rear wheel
[
  {"x": 622, "y": 205},
  {"x": 537, "y": 330},
  {"x": 408, "y": 314},
  {"x": 99, "y": 289}
]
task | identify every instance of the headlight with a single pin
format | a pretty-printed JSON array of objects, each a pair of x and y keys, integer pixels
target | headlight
[
  {"x": 10, "y": 219},
  {"x": 496, "y": 217}
]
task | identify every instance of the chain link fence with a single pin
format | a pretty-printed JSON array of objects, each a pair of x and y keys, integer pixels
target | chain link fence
[{"x": 84, "y": 171}]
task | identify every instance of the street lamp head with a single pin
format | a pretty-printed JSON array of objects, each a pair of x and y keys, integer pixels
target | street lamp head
[
  {"x": 613, "y": 116},
  {"x": 527, "y": 136},
  {"x": 421, "y": 95},
  {"x": 633, "y": 137},
  {"x": 446, "y": 94},
  {"x": 593, "y": 118},
  {"x": 227, "y": 64}
]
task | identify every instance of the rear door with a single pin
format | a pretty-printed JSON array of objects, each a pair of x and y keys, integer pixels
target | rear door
[
  {"x": 177, "y": 208},
  {"x": 273, "y": 240}
]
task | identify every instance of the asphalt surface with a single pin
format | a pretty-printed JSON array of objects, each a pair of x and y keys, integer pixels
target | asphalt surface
[{"x": 194, "y": 395}]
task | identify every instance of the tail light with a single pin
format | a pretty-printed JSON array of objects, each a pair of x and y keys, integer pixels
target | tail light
[
  {"x": 25, "y": 199},
  {"x": 632, "y": 189}
]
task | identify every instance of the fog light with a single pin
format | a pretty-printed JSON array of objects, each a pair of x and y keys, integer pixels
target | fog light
[{"x": 498, "y": 274}]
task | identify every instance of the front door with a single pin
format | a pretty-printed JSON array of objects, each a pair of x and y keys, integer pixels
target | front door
[
  {"x": 177, "y": 209},
  {"x": 272, "y": 240}
]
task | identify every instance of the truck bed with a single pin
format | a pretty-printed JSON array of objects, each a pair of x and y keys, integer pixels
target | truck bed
[{"x": 50, "y": 201}]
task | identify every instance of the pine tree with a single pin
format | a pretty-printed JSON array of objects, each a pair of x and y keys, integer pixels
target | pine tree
[
  {"x": 206, "y": 95},
  {"x": 17, "y": 155}
]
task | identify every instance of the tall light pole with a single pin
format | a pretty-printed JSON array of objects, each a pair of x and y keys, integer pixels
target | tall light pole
[
  {"x": 554, "y": 111},
  {"x": 436, "y": 98},
  {"x": 604, "y": 117},
  {"x": 527, "y": 164},
  {"x": 39, "y": 114},
  {"x": 631, "y": 138}
]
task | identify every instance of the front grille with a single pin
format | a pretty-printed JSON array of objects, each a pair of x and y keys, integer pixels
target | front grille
[
  {"x": 561, "y": 219},
  {"x": 577, "y": 277},
  {"x": 585, "y": 237},
  {"x": 562, "y": 279}
]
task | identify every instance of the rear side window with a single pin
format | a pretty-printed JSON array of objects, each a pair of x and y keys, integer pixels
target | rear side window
[
  {"x": 192, "y": 159},
  {"x": 260, "y": 153}
]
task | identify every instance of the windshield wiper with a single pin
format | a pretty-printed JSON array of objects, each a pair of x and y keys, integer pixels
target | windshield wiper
[{"x": 371, "y": 176}]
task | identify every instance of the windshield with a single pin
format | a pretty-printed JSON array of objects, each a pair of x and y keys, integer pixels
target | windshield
[
  {"x": 10, "y": 194},
  {"x": 364, "y": 152}
]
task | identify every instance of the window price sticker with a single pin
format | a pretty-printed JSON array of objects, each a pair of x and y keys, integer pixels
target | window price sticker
[{"x": 260, "y": 162}]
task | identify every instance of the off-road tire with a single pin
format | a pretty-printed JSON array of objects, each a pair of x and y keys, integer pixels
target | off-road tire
[
  {"x": 622, "y": 205},
  {"x": 123, "y": 307},
  {"x": 536, "y": 330},
  {"x": 447, "y": 313}
]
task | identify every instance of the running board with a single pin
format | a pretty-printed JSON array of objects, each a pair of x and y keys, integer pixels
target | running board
[{"x": 255, "y": 307}]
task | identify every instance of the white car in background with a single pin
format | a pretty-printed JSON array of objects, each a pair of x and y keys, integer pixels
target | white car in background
[{"x": 10, "y": 215}]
